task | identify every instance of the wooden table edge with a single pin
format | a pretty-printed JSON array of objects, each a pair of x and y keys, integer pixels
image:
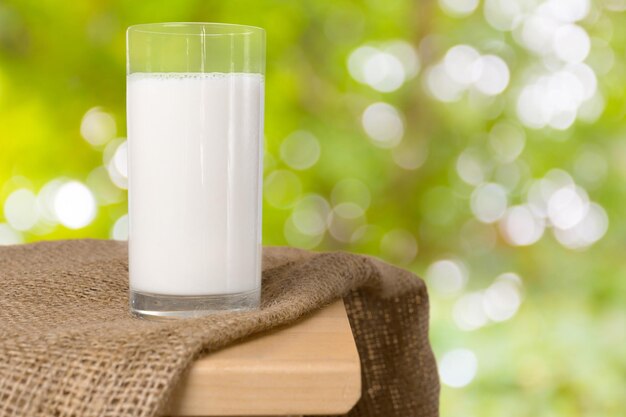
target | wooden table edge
[{"x": 311, "y": 367}]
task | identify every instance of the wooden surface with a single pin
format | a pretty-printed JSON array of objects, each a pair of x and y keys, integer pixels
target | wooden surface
[{"x": 311, "y": 367}]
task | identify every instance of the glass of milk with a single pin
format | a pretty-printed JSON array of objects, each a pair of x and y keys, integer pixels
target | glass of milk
[{"x": 195, "y": 130}]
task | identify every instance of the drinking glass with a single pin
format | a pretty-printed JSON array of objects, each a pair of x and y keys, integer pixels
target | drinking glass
[{"x": 195, "y": 95}]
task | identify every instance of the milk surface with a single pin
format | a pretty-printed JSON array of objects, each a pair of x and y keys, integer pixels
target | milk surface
[{"x": 195, "y": 142}]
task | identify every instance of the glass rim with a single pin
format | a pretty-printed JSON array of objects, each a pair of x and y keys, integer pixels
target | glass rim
[{"x": 161, "y": 28}]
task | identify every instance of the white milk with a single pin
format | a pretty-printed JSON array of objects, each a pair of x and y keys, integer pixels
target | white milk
[{"x": 195, "y": 144}]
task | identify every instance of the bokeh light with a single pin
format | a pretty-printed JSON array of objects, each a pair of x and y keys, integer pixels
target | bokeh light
[
  {"x": 21, "y": 209},
  {"x": 498, "y": 302},
  {"x": 383, "y": 124},
  {"x": 538, "y": 31},
  {"x": 296, "y": 238},
  {"x": 458, "y": 8},
  {"x": 348, "y": 210},
  {"x": 310, "y": 214},
  {"x": 117, "y": 165},
  {"x": 120, "y": 160},
  {"x": 571, "y": 43},
  {"x": 74, "y": 205},
  {"x": 45, "y": 199},
  {"x": 554, "y": 100},
  {"x": 105, "y": 191},
  {"x": 385, "y": 67},
  {"x": 342, "y": 224},
  {"x": 504, "y": 15},
  {"x": 470, "y": 167},
  {"x": 568, "y": 10},
  {"x": 540, "y": 191},
  {"x": 492, "y": 75},
  {"x": 300, "y": 150},
  {"x": 447, "y": 276},
  {"x": 458, "y": 367},
  {"x": 577, "y": 221},
  {"x": 98, "y": 126},
  {"x": 489, "y": 202},
  {"x": 383, "y": 72},
  {"x": 468, "y": 311},
  {"x": 591, "y": 228},
  {"x": 563, "y": 88},
  {"x": 357, "y": 60},
  {"x": 441, "y": 86},
  {"x": 405, "y": 52},
  {"x": 462, "y": 68},
  {"x": 461, "y": 64},
  {"x": 521, "y": 227},
  {"x": 9, "y": 236},
  {"x": 567, "y": 206},
  {"x": 502, "y": 299},
  {"x": 120, "y": 228}
]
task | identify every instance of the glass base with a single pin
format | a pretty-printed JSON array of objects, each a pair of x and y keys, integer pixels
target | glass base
[{"x": 163, "y": 307}]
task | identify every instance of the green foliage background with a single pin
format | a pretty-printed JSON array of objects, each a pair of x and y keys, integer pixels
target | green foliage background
[{"x": 562, "y": 354}]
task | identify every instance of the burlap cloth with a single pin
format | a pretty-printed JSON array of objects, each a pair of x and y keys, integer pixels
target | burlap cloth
[{"x": 69, "y": 346}]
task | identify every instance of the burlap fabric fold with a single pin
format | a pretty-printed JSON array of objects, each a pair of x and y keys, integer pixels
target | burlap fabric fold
[{"x": 69, "y": 346}]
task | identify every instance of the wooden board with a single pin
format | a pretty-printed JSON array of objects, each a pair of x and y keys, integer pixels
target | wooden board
[{"x": 311, "y": 367}]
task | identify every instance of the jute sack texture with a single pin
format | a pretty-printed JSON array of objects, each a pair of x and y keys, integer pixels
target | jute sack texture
[{"x": 69, "y": 346}]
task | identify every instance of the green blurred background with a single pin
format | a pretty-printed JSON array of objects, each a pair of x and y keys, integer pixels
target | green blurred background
[{"x": 480, "y": 144}]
